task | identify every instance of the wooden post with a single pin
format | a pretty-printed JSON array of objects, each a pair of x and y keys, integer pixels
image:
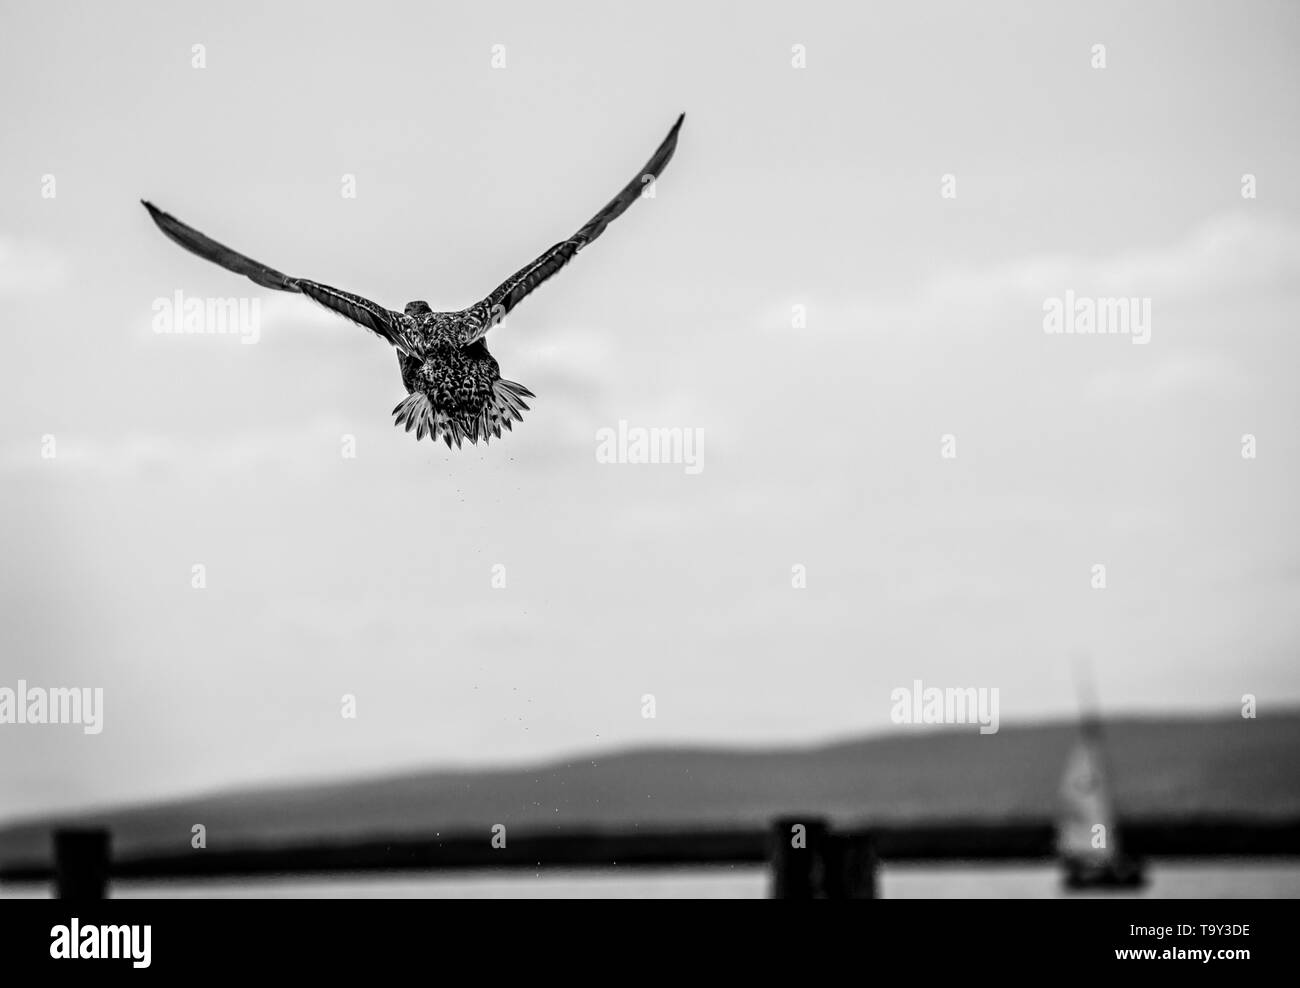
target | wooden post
[
  {"x": 798, "y": 857},
  {"x": 81, "y": 864},
  {"x": 851, "y": 867},
  {"x": 811, "y": 862}
]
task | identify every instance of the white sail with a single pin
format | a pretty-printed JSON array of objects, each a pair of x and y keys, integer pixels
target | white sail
[{"x": 1086, "y": 830}]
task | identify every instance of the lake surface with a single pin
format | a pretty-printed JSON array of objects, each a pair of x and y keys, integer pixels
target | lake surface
[{"x": 1223, "y": 880}]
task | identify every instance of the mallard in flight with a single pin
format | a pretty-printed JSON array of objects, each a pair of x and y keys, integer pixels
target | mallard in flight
[{"x": 455, "y": 388}]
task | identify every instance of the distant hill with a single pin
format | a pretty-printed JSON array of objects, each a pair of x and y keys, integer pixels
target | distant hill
[{"x": 1185, "y": 767}]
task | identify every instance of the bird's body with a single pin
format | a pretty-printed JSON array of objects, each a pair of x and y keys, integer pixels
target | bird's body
[
  {"x": 453, "y": 390},
  {"x": 454, "y": 386}
]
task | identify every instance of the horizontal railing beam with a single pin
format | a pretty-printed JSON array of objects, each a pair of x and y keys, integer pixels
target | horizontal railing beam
[{"x": 891, "y": 843}]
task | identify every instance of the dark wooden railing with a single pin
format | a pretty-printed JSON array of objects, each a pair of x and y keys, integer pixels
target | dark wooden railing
[{"x": 808, "y": 858}]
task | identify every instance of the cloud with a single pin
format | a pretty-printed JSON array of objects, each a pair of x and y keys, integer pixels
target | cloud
[
  {"x": 141, "y": 454},
  {"x": 1188, "y": 374},
  {"x": 29, "y": 269},
  {"x": 1228, "y": 253}
]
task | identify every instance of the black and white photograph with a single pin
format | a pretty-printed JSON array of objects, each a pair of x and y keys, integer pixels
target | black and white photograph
[{"x": 691, "y": 450}]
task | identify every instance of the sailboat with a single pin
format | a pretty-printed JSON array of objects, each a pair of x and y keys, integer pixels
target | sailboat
[{"x": 1087, "y": 839}]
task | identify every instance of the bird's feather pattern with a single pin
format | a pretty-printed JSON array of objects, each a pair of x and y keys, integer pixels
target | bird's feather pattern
[
  {"x": 371, "y": 315},
  {"x": 506, "y": 406},
  {"x": 518, "y": 286},
  {"x": 454, "y": 384},
  {"x": 361, "y": 311}
]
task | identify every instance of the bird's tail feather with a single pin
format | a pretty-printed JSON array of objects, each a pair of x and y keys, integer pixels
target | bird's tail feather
[
  {"x": 507, "y": 405},
  {"x": 415, "y": 411},
  {"x": 503, "y": 409}
]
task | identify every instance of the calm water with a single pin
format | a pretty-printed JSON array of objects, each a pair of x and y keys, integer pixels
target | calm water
[{"x": 1228, "y": 880}]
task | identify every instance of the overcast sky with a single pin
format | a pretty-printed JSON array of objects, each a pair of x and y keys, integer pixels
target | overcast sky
[{"x": 818, "y": 187}]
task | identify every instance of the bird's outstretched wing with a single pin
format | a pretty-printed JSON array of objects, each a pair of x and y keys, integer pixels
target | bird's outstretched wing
[
  {"x": 362, "y": 311},
  {"x": 517, "y": 287}
]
